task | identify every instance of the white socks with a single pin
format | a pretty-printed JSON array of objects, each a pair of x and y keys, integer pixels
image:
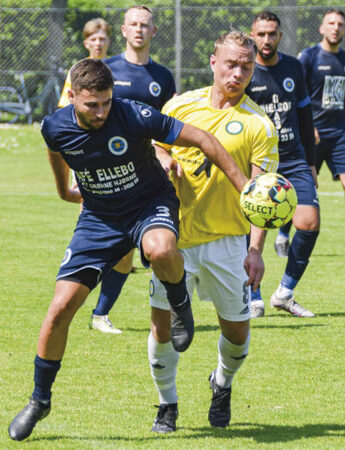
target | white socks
[
  {"x": 230, "y": 359},
  {"x": 163, "y": 360}
]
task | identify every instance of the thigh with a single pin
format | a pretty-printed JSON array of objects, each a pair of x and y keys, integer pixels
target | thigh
[
  {"x": 302, "y": 179},
  {"x": 162, "y": 212},
  {"x": 335, "y": 156},
  {"x": 223, "y": 279}
]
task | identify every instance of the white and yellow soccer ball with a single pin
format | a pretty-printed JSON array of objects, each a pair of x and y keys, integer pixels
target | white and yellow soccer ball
[{"x": 269, "y": 201}]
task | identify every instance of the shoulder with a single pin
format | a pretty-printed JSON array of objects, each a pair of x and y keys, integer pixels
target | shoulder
[
  {"x": 56, "y": 124},
  {"x": 113, "y": 60},
  {"x": 256, "y": 116},
  {"x": 159, "y": 68},
  {"x": 309, "y": 52}
]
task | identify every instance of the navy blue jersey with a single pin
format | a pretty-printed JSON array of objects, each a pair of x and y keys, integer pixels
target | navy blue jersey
[
  {"x": 280, "y": 90},
  {"x": 115, "y": 166},
  {"x": 152, "y": 83},
  {"x": 325, "y": 76}
]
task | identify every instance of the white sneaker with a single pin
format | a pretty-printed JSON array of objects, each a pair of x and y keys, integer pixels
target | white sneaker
[
  {"x": 103, "y": 324},
  {"x": 290, "y": 305},
  {"x": 281, "y": 246},
  {"x": 257, "y": 309}
]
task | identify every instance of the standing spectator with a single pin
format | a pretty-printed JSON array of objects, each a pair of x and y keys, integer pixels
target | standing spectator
[{"x": 278, "y": 86}]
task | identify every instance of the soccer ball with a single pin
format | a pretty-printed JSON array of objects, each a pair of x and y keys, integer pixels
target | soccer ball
[{"x": 269, "y": 201}]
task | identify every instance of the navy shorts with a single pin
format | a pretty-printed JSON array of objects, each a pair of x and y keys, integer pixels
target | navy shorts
[
  {"x": 100, "y": 241},
  {"x": 299, "y": 174},
  {"x": 332, "y": 150}
]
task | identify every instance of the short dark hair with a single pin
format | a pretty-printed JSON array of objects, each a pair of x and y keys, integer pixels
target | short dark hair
[
  {"x": 334, "y": 11},
  {"x": 266, "y": 15},
  {"x": 91, "y": 74}
]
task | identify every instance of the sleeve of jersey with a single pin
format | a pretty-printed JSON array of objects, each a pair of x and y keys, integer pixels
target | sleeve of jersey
[
  {"x": 303, "y": 94},
  {"x": 64, "y": 101},
  {"x": 304, "y": 60},
  {"x": 155, "y": 125},
  {"x": 47, "y": 134},
  {"x": 264, "y": 145}
]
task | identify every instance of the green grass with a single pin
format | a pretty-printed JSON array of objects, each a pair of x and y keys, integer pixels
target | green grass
[{"x": 289, "y": 393}]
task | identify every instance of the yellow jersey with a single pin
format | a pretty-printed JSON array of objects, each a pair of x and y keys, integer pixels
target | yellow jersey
[{"x": 209, "y": 203}]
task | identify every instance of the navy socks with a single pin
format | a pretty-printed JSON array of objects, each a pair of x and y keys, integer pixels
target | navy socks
[
  {"x": 45, "y": 373},
  {"x": 110, "y": 290}
]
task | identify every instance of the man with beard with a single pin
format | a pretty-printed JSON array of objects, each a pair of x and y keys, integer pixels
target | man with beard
[
  {"x": 278, "y": 86},
  {"x": 324, "y": 69}
]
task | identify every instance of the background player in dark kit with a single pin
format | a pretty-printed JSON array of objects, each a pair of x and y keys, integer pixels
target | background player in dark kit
[{"x": 278, "y": 86}]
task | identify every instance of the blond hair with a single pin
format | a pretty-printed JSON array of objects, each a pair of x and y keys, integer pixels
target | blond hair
[
  {"x": 238, "y": 37},
  {"x": 94, "y": 25}
]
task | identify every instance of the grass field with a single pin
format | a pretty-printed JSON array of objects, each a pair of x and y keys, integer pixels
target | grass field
[{"x": 289, "y": 394}]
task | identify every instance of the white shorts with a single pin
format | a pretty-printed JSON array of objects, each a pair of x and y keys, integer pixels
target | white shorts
[{"x": 216, "y": 270}]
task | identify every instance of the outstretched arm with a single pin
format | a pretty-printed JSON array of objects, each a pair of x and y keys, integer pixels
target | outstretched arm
[
  {"x": 253, "y": 263},
  {"x": 61, "y": 174},
  {"x": 194, "y": 137}
]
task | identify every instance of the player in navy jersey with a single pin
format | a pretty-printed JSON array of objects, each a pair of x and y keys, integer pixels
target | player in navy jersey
[
  {"x": 324, "y": 69},
  {"x": 128, "y": 202},
  {"x": 139, "y": 78},
  {"x": 278, "y": 86}
]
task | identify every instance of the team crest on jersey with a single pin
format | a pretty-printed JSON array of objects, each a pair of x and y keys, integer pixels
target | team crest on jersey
[
  {"x": 151, "y": 288},
  {"x": 118, "y": 145},
  {"x": 234, "y": 127},
  {"x": 146, "y": 112},
  {"x": 289, "y": 84},
  {"x": 155, "y": 88},
  {"x": 67, "y": 257}
]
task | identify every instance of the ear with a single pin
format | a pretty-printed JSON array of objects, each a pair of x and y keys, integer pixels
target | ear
[
  {"x": 123, "y": 31},
  {"x": 213, "y": 60},
  {"x": 86, "y": 44},
  {"x": 154, "y": 31},
  {"x": 321, "y": 29},
  {"x": 71, "y": 96}
]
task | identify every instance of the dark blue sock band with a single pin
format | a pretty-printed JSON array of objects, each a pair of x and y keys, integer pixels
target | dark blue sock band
[
  {"x": 176, "y": 292},
  {"x": 110, "y": 290},
  {"x": 300, "y": 250},
  {"x": 45, "y": 373}
]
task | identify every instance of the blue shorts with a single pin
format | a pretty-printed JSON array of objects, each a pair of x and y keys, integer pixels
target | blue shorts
[
  {"x": 299, "y": 174},
  {"x": 332, "y": 150},
  {"x": 100, "y": 241}
]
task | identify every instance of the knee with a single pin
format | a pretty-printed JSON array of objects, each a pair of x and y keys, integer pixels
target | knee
[
  {"x": 159, "y": 251},
  {"x": 60, "y": 313}
]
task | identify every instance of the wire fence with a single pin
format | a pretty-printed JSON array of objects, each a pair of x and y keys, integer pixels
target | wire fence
[{"x": 43, "y": 43}]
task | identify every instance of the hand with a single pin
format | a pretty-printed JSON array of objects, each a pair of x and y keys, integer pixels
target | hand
[
  {"x": 255, "y": 268},
  {"x": 313, "y": 171},
  {"x": 317, "y": 136},
  {"x": 174, "y": 166}
]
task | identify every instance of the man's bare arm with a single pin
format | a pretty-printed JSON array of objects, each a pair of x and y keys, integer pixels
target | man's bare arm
[
  {"x": 194, "y": 137},
  {"x": 61, "y": 174}
]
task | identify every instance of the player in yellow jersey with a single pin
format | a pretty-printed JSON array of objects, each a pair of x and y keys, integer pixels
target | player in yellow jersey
[
  {"x": 212, "y": 229},
  {"x": 96, "y": 38}
]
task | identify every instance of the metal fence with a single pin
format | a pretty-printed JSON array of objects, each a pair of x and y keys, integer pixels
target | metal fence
[{"x": 41, "y": 44}]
